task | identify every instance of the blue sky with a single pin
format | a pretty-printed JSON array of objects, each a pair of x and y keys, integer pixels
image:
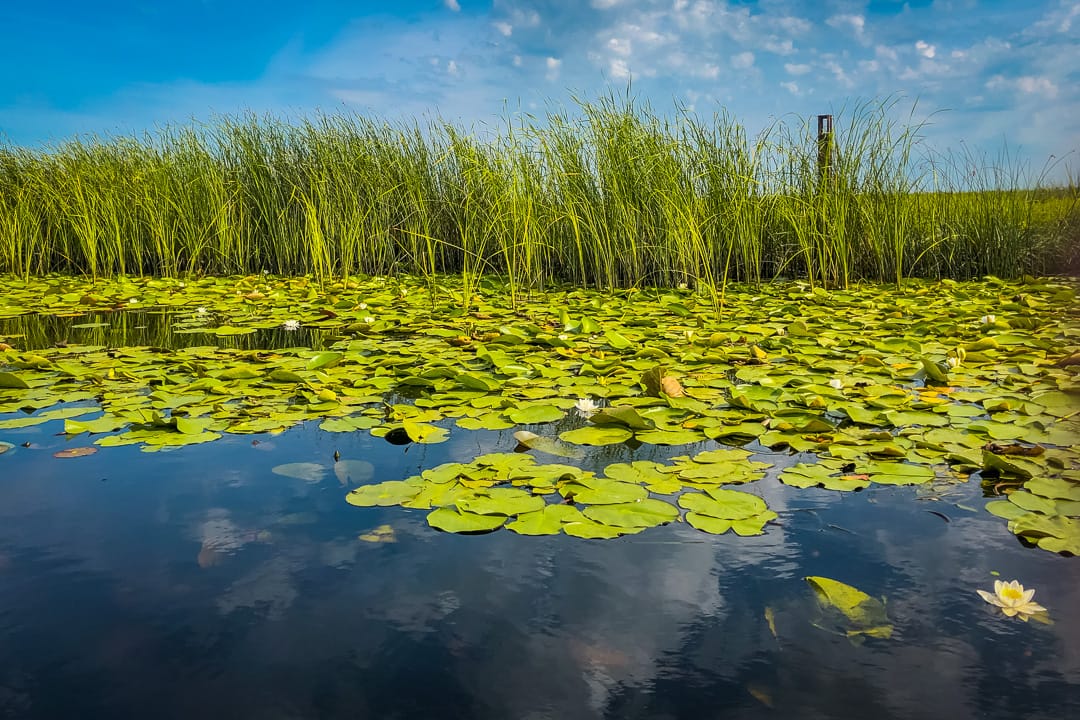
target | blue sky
[{"x": 983, "y": 71}]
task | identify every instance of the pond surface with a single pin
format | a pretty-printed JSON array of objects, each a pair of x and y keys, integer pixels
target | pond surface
[
  {"x": 198, "y": 583},
  {"x": 181, "y": 464}
]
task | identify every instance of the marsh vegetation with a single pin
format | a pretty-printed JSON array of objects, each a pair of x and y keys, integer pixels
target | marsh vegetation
[{"x": 613, "y": 195}]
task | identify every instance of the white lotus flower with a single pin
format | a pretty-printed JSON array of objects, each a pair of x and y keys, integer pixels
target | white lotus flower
[
  {"x": 1013, "y": 599},
  {"x": 586, "y": 407},
  {"x": 987, "y": 320},
  {"x": 836, "y": 383},
  {"x": 291, "y": 325}
]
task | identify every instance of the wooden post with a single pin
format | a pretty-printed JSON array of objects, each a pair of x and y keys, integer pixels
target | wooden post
[{"x": 825, "y": 146}]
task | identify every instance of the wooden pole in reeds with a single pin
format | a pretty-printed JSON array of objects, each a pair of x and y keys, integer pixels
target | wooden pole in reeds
[{"x": 825, "y": 145}]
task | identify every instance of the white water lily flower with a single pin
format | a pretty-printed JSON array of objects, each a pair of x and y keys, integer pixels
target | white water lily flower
[
  {"x": 369, "y": 319},
  {"x": 836, "y": 383},
  {"x": 586, "y": 406},
  {"x": 682, "y": 286},
  {"x": 200, "y": 311},
  {"x": 133, "y": 301},
  {"x": 689, "y": 335},
  {"x": 363, "y": 306},
  {"x": 1013, "y": 599},
  {"x": 564, "y": 336},
  {"x": 291, "y": 325},
  {"x": 987, "y": 320},
  {"x": 952, "y": 362}
]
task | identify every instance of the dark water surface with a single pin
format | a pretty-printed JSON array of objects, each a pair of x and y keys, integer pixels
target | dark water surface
[{"x": 198, "y": 584}]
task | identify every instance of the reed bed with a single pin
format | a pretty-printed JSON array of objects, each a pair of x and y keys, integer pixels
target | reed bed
[{"x": 614, "y": 195}]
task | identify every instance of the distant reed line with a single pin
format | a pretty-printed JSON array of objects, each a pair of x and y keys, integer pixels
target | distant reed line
[{"x": 613, "y": 196}]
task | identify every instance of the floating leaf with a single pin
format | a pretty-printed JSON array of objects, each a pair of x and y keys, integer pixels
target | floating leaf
[
  {"x": 420, "y": 432},
  {"x": 75, "y": 452},
  {"x": 381, "y": 534},
  {"x": 596, "y": 435},
  {"x": 865, "y": 614},
  {"x": 500, "y": 501},
  {"x": 644, "y": 513},
  {"x": 623, "y": 415},
  {"x": 11, "y": 380},
  {"x": 604, "y": 492},
  {"x": 534, "y": 414},
  {"x": 353, "y": 472},
  {"x": 548, "y": 445},
  {"x": 306, "y": 471},
  {"x": 547, "y": 521},
  {"x": 391, "y": 492},
  {"x": 456, "y": 521}
]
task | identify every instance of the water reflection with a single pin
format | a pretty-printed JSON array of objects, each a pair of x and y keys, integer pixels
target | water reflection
[{"x": 199, "y": 583}]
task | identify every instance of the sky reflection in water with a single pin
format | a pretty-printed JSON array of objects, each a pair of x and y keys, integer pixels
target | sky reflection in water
[{"x": 196, "y": 583}]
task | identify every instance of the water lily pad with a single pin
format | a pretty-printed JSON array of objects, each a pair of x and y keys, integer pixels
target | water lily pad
[
  {"x": 597, "y": 435},
  {"x": 864, "y": 614},
  {"x": 12, "y": 380},
  {"x": 390, "y": 492},
  {"x": 455, "y": 521},
  {"x": 591, "y": 530},
  {"x": 75, "y": 452},
  {"x": 600, "y": 491},
  {"x": 669, "y": 437},
  {"x": 534, "y": 414},
  {"x": 306, "y": 471},
  {"x": 500, "y": 501},
  {"x": 353, "y": 472},
  {"x": 724, "y": 504},
  {"x": 547, "y": 521},
  {"x": 548, "y": 445},
  {"x": 643, "y": 513}
]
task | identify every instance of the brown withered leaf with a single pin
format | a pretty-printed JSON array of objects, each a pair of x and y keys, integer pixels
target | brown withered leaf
[
  {"x": 657, "y": 382},
  {"x": 671, "y": 387},
  {"x": 1073, "y": 359},
  {"x": 75, "y": 452},
  {"x": 1024, "y": 450}
]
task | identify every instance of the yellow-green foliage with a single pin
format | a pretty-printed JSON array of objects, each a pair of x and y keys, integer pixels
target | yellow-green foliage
[{"x": 614, "y": 196}]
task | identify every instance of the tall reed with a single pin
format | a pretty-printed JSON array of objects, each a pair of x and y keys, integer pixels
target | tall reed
[{"x": 611, "y": 195}]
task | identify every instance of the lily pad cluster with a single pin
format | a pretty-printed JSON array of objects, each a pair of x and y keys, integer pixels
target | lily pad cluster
[
  {"x": 512, "y": 490},
  {"x": 872, "y": 385}
]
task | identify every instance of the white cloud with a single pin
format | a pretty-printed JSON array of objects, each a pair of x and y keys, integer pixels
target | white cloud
[
  {"x": 1058, "y": 20},
  {"x": 1037, "y": 86},
  {"x": 925, "y": 49},
  {"x": 792, "y": 87},
  {"x": 452, "y": 68},
  {"x": 794, "y": 25},
  {"x": 452, "y": 5},
  {"x": 505, "y": 29},
  {"x": 779, "y": 47},
  {"x": 619, "y": 69},
  {"x": 619, "y": 46},
  {"x": 743, "y": 60},
  {"x": 856, "y": 23},
  {"x": 604, "y": 4},
  {"x": 709, "y": 71},
  {"x": 552, "y": 64},
  {"x": 796, "y": 68}
]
